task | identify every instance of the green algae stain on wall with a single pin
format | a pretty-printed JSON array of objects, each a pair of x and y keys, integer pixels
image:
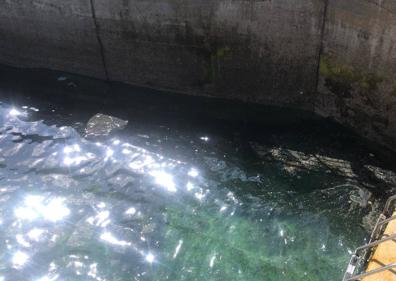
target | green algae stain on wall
[
  {"x": 215, "y": 57},
  {"x": 223, "y": 52},
  {"x": 343, "y": 79}
]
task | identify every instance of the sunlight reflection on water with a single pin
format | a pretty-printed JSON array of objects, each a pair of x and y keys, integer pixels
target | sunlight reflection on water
[
  {"x": 35, "y": 207},
  {"x": 115, "y": 210}
]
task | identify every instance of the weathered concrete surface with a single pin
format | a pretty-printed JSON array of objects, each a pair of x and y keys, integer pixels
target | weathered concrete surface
[
  {"x": 358, "y": 68},
  {"x": 258, "y": 50},
  {"x": 52, "y": 34},
  {"x": 261, "y": 51}
]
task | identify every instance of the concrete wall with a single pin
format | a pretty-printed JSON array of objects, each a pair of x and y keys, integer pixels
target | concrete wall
[
  {"x": 254, "y": 50},
  {"x": 52, "y": 34},
  {"x": 335, "y": 57},
  {"x": 358, "y": 67},
  {"x": 225, "y": 48}
]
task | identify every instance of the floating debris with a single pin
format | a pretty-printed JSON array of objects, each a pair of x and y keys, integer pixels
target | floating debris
[
  {"x": 62, "y": 78},
  {"x": 103, "y": 125}
]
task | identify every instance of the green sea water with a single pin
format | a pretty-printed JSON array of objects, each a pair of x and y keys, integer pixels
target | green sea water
[{"x": 181, "y": 193}]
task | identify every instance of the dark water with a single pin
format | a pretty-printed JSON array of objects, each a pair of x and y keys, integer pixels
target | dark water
[{"x": 192, "y": 189}]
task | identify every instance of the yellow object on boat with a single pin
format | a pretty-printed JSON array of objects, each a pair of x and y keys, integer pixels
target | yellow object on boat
[{"x": 383, "y": 255}]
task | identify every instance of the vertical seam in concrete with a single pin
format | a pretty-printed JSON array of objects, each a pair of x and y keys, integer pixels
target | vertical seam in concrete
[
  {"x": 99, "y": 39},
  {"x": 321, "y": 43}
]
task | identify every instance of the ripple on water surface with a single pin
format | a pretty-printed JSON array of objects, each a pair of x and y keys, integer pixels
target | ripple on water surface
[{"x": 113, "y": 209}]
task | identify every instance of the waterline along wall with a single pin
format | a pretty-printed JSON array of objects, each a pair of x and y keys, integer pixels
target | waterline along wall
[{"x": 334, "y": 57}]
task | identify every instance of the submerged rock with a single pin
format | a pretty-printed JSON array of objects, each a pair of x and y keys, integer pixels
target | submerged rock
[
  {"x": 103, "y": 125},
  {"x": 369, "y": 220},
  {"x": 382, "y": 175},
  {"x": 362, "y": 198},
  {"x": 293, "y": 161}
]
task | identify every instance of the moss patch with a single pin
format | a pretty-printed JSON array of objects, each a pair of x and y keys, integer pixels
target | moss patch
[{"x": 341, "y": 79}]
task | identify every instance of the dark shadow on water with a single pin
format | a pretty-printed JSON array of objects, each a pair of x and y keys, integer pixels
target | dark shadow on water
[{"x": 70, "y": 100}]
